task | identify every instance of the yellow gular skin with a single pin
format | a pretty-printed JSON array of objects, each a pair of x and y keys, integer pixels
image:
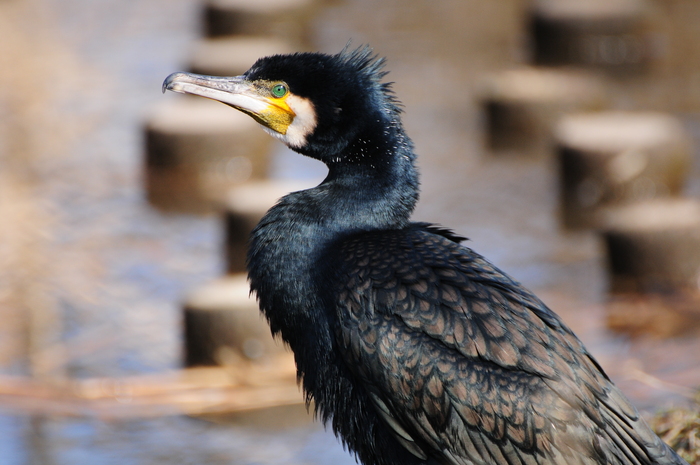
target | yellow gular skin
[{"x": 278, "y": 115}]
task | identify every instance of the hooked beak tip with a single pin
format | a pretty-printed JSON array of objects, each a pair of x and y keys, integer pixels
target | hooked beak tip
[{"x": 169, "y": 82}]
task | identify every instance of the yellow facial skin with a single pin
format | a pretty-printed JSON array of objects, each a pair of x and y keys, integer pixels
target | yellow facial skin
[{"x": 278, "y": 115}]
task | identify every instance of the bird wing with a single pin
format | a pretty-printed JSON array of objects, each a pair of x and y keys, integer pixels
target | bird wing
[{"x": 463, "y": 364}]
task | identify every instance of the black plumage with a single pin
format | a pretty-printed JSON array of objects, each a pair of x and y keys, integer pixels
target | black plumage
[{"x": 414, "y": 348}]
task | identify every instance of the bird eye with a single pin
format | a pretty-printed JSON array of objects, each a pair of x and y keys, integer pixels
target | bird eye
[{"x": 279, "y": 90}]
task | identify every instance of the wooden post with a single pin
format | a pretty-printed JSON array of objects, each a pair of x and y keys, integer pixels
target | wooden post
[
  {"x": 611, "y": 35},
  {"x": 245, "y": 206},
  {"x": 522, "y": 105},
  {"x": 196, "y": 150},
  {"x": 616, "y": 158},
  {"x": 654, "y": 246},
  {"x": 285, "y": 19},
  {"x": 233, "y": 56},
  {"x": 223, "y": 325}
]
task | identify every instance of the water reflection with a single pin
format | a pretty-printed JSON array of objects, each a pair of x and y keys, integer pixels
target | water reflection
[{"x": 173, "y": 440}]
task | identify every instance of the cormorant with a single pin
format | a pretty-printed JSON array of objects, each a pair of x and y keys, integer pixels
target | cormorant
[{"x": 415, "y": 348}]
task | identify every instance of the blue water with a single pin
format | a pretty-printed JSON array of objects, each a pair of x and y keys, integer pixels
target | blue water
[{"x": 169, "y": 440}]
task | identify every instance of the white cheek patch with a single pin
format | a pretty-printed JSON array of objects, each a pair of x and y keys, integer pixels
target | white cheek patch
[{"x": 304, "y": 122}]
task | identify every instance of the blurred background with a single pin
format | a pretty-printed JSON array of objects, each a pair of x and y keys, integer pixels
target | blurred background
[{"x": 560, "y": 136}]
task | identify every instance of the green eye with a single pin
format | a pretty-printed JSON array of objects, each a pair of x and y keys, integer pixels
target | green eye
[{"x": 279, "y": 90}]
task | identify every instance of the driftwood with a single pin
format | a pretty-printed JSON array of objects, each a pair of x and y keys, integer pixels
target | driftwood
[{"x": 194, "y": 391}]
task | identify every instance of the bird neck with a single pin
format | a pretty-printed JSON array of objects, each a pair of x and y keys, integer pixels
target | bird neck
[
  {"x": 291, "y": 249},
  {"x": 372, "y": 182}
]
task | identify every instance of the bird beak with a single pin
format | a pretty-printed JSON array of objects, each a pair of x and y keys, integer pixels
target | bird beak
[{"x": 237, "y": 92}]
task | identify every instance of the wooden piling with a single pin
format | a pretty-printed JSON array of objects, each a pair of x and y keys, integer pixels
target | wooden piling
[
  {"x": 196, "y": 150},
  {"x": 245, "y": 206},
  {"x": 617, "y": 158},
  {"x": 224, "y": 327},
  {"x": 521, "y": 106},
  {"x": 608, "y": 35},
  {"x": 233, "y": 56},
  {"x": 284, "y": 19},
  {"x": 654, "y": 246}
]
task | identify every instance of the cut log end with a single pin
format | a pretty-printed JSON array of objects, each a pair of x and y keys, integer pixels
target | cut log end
[
  {"x": 654, "y": 246},
  {"x": 233, "y": 56},
  {"x": 521, "y": 106},
  {"x": 245, "y": 206},
  {"x": 196, "y": 150},
  {"x": 224, "y": 327},
  {"x": 610, "y": 159}
]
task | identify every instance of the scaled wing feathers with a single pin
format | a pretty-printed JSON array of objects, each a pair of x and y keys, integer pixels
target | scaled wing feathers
[{"x": 459, "y": 358}]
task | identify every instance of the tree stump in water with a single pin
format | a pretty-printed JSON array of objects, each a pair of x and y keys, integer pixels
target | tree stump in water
[
  {"x": 654, "y": 246},
  {"x": 196, "y": 150},
  {"x": 245, "y": 207},
  {"x": 521, "y": 106},
  {"x": 284, "y": 19},
  {"x": 613, "y": 158},
  {"x": 224, "y": 326},
  {"x": 612, "y": 35},
  {"x": 233, "y": 56}
]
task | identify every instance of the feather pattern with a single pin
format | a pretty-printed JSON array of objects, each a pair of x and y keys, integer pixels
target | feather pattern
[{"x": 470, "y": 366}]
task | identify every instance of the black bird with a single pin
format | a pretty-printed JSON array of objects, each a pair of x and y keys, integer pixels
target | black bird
[{"x": 415, "y": 348}]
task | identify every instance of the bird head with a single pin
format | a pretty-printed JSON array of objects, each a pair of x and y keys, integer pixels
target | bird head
[{"x": 317, "y": 104}]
